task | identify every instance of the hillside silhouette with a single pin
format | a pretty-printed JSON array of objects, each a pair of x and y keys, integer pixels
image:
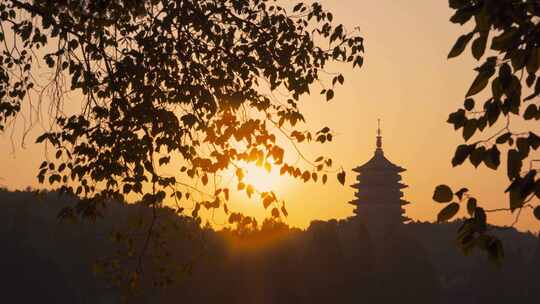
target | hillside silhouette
[{"x": 333, "y": 261}]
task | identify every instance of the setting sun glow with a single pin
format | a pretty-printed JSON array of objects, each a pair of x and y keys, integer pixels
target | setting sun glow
[{"x": 260, "y": 178}]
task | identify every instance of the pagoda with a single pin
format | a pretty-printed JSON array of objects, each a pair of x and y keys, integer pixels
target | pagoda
[{"x": 379, "y": 203}]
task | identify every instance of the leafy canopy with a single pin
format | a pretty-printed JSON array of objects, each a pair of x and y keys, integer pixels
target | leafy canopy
[
  {"x": 183, "y": 85},
  {"x": 506, "y": 42},
  {"x": 173, "y": 94}
]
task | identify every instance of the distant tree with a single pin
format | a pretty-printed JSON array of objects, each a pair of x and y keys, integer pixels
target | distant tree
[
  {"x": 169, "y": 86},
  {"x": 510, "y": 32}
]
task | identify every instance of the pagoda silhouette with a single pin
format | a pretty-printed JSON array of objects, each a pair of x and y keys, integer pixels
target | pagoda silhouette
[{"x": 379, "y": 203}]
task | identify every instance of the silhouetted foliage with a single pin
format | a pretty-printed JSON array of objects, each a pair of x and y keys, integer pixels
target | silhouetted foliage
[
  {"x": 173, "y": 94},
  {"x": 180, "y": 83},
  {"x": 505, "y": 40}
]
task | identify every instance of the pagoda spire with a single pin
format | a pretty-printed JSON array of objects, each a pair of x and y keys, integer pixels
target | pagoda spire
[{"x": 379, "y": 138}]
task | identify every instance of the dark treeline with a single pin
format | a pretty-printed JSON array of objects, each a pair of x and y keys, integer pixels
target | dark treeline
[{"x": 330, "y": 262}]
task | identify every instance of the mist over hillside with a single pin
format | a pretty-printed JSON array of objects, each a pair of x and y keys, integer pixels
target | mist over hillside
[{"x": 333, "y": 261}]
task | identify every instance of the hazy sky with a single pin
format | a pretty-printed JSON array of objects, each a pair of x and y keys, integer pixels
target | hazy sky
[{"x": 407, "y": 82}]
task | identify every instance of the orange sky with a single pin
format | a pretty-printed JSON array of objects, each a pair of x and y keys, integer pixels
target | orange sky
[{"x": 406, "y": 81}]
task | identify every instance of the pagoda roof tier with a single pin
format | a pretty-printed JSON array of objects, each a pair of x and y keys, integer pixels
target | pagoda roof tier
[
  {"x": 396, "y": 194},
  {"x": 379, "y": 163},
  {"x": 386, "y": 176},
  {"x": 358, "y": 202},
  {"x": 362, "y": 185},
  {"x": 375, "y": 173}
]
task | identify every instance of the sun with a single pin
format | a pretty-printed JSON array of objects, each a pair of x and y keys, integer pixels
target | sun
[{"x": 260, "y": 178}]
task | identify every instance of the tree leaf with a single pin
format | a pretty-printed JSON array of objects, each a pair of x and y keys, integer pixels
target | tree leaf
[
  {"x": 516, "y": 199},
  {"x": 504, "y": 40},
  {"x": 448, "y": 212},
  {"x": 514, "y": 164},
  {"x": 284, "y": 211},
  {"x": 518, "y": 59},
  {"x": 471, "y": 205},
  {"x": 341, "y": 177},
  {"x": 461, "y": 16},
  {"x": 442, "y": 194},
  {"x": 477, "y": 156},
  {"x": 249, "y": 190},
  {"x": 536, "y": 212},
  {"x": 530, "y": 112},
  {"x": 204, "y": 179},
  {"x": 267, "y": 200},
  {"x": 470, "y": 127},
  {"x": 43, "y": 164},
  {"x": 504, "y": 138},
  {"x": 329, "y": 95},
  {"x": 492, "y": 159},
  {"x": 479, "y": 83},
  {"x": 460, "y": 45},
  {"x": 457, "y": 118},
  {"x": 479, "y": 46},
  {"x": 469, "y": 104},
  {"x": 461, "y": 192},
  {"x": 461, "y": 154},
  {"x": 41, "y": 138}
]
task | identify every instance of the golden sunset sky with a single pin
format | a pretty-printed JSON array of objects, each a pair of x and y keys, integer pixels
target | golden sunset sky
[{"x": 406, "y": 81}]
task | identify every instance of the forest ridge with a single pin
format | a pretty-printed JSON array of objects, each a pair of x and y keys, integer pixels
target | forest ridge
[{"x": 270, "y": 263}]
